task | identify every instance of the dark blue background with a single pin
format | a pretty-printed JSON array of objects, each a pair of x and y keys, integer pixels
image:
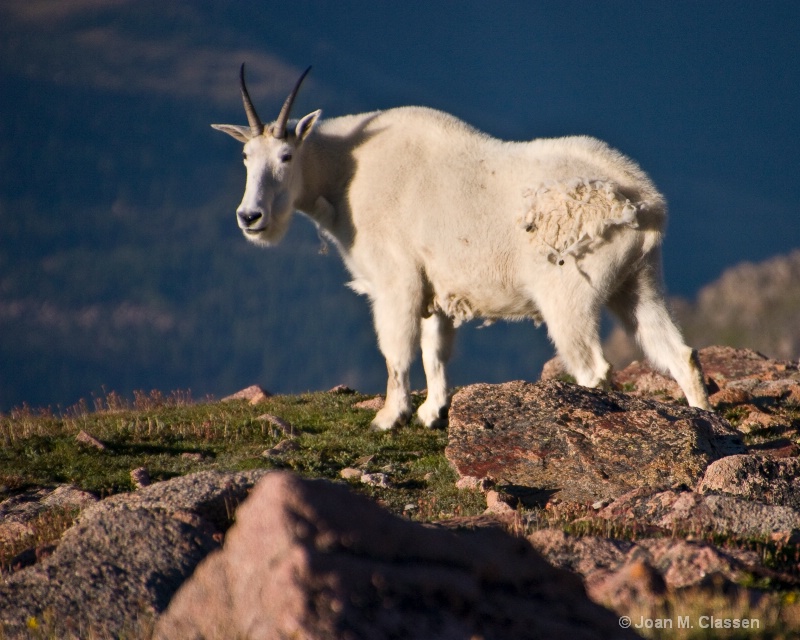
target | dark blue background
[{"x": 112, "y": 185}]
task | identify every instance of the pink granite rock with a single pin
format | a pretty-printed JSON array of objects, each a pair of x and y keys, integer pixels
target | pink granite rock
[
  {"x": 755, "y": 477},
  {"x": 310, "y": 559},
  {"x": 582, "y": 445}
]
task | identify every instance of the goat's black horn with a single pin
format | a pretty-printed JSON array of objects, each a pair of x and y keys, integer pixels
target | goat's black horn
[
  {"x": 279, "y": 128},
  {"x": 256, "y": 126}
]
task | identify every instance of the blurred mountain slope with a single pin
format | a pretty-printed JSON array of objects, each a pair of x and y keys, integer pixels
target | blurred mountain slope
[{"x": 751, "y": 305}]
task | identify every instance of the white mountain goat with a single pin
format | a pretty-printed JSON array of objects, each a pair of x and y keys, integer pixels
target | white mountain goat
[{"x": 439, "y": 223}]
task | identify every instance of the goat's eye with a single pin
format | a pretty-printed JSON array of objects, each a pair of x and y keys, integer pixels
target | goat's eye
[
  {"x": 244, "y": 155},
  {"x": 286, "y": 157}
]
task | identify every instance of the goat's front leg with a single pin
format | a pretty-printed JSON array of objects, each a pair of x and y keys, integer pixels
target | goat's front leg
[
  {"x": 397, "y": 323},
  {"x": 438, "y": 333}
]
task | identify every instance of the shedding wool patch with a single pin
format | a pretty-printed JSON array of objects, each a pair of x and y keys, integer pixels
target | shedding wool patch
[{"x": 571, "y": 219}]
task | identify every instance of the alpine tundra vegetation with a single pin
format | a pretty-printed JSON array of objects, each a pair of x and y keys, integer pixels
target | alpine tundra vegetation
[{"x": 439, "y": 224}]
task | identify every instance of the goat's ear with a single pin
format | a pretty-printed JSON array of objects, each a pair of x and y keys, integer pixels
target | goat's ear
[
  {"x": 306, "y": 124},
  {"x": 242, "y": 134}
]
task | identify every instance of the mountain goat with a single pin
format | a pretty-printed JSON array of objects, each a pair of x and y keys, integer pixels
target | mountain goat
[{"x": 439, "y": 223}]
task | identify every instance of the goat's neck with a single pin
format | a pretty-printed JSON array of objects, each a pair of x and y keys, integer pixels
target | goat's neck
[{"x": 327, "y": 168}]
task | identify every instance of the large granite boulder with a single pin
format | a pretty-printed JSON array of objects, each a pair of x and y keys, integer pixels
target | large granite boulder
[
  {"x": 309, "y": 559},
  {"x": 773, "y": 481},
  {"x": 580, "y": 444},
  {"x": 118, "y": 567},
  {"x": 689, "y": 512}
]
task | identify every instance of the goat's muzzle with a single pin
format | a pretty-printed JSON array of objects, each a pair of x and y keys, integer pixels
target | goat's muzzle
[{"x": 248, "y": 218}]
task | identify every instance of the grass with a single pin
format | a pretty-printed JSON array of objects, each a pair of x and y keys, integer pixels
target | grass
[{"x": 173, "y": 436}]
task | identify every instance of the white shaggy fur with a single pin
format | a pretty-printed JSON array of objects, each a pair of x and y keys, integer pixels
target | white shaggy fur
[{"x": 439, "y": 224}]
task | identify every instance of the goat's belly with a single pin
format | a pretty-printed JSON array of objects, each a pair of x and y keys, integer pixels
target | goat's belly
[{"x": 463, "y": 306}]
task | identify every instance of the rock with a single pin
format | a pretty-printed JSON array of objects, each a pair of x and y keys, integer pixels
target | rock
[
  {"x": 756, "y": 420},
  {"x": 686, "y": 563},
  {"x": 307, "y": 558},
  {"x": 140, "y": 477},
  {"x": 212, "y": 495},
  {"x": 581, "y": 444},
  {"x": 767, "y": 391},
  {"x": 119, "y": 566},
  {"x": 375, "y": 479},
  {"x": 193, "y": 456},
  {"x": 89, "y": 440},
  {"x": 279, "y": 423},
  {"x": 793, "y": 394},
  {"x": 729, "y": 398},
  {"x": 734, "y": 376},
  {"x": 498, "y": 503},
  {"x": 373, "y": 404},
  {"x": 753, "y": 477},
  {"x": 67, "y": 496},
  {"x": 611, "y": 568},
  {"x": 109, "y": 576},
  {"x": 284, "y": 446},
  {"x": 690, "y": 512},
  {"x": 471, "y": 482},
  {"x": 348, "y": 473},
  {"x": 342, "y": 389},
  {"x": 25, "y": 506},
  {"x": 640, "y": 379},
  {"x": 17, "y": 512},
  {"x": 11, "y": 531},
  {"x": 725, "y": 364},
  {"x": 252, "y": 394},
  {"x": 553, "y": 369},
  {"x": 777, "y": 449},
  {"x": 635, "y": 582}
]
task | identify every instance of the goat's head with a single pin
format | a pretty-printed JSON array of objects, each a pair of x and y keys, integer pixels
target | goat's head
[{"x": 274, "y": 178}]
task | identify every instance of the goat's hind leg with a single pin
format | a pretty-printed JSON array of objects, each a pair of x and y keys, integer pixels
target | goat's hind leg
[
  {"x": 575, "y": 332},
  {"x": 438, "y": 333},
  {"x": 641, "y": 307}
]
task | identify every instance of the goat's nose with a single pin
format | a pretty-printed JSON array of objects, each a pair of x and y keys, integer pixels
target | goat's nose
[{"x": 248, "y": 217}]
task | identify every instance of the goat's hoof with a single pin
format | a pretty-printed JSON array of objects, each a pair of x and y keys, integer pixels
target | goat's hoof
[
  {"x": 432, "y": 417},
  {"x": 438, "y": 424},
  {"x": 387, "y": 422},
  {"x": 378, "y": 428}
]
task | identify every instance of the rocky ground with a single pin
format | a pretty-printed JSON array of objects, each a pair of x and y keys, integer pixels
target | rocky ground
[{"x": 599, "y": 505}]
